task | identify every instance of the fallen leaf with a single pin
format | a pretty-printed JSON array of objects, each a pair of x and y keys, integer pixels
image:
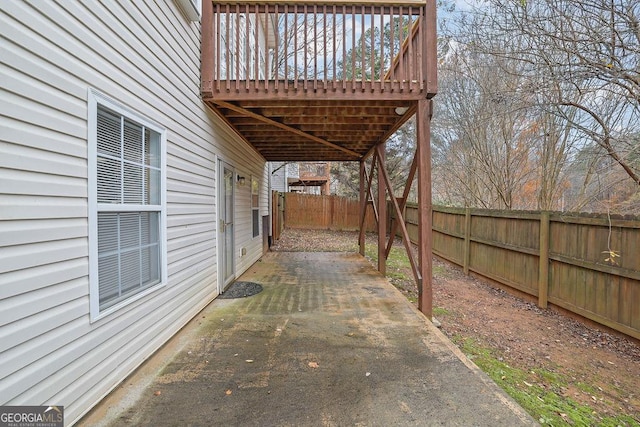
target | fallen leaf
[
  {"x": 157, "y": 393},
  {"x": 249, "y": 360},
  {"x": 368, "y": 373},
  {"x": 228, "y": 392},
  {"x": 313, "y": 364},
  {"x": 527, "y": 384}
]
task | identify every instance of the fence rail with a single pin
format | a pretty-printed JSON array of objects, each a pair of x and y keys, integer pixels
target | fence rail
[
  {"x": 324, "y": 212},
  {"x": 586, "y": 264},
  {"x": 589, "y": 265}
]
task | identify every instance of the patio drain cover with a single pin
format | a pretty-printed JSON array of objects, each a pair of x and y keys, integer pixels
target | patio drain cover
[{"x": 241, "y": 290}]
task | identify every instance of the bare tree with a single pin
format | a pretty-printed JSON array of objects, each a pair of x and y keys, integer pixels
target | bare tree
[
  {"x": 482, "y": 139},
  {"x": 566, "y": 74},
  {"x": 584, "y": 55}
]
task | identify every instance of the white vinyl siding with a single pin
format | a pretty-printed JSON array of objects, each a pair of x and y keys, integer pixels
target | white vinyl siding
[{"x": 146, "y": 56}]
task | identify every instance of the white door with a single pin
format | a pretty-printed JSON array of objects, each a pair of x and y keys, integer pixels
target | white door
[{"x": 226, "y": 262}]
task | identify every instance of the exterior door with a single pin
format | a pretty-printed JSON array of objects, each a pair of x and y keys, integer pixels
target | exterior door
[{"x": 226, "y": 261}]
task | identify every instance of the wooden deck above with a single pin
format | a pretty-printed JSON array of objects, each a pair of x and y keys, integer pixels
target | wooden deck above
[{"x": 304, "y": 81}]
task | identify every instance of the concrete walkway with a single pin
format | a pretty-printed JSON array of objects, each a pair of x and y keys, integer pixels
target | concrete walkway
[{"x": 328, "y": 342}]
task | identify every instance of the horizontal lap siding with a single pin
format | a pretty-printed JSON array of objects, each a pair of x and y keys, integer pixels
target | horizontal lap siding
[{"x": 145, "y": 57}]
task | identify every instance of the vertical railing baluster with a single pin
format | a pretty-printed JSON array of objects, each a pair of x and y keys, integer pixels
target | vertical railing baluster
[
  {"x": 228, "y": 48},
  {"x": 382, "y": 62},
  {"x": 353, "y": 47},
  {"x": 344, "y": 47},
  {"x": 373, "y": 46},
  {"x": 286, "y": 44},
  {"x": 400, "y": 50},
  {"x": 315, "y": 47},
  {"x": 295, "y": 47},
  {"x": 247, "y": 47},
  {"x": 363, "y": 55},
  {"x": 392, "y": 47},
  {"x": 218, "y": 44},
  {"x": 335, "y": 46},
  {"x": 306, "y": 47},
  {"x": 236, "y": 45},
  {"x": 353, "y": 29},
  {"x": 410, "y": 46},
  {"x": 324, "y": 40},
  {"x": 275, "y": 52},
  {"x": 266, "y": 47},
  {"x": 256, "y": 46},
  {"x": 420, "y": 35}
]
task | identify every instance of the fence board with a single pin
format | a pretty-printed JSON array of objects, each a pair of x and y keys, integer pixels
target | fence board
[
  {"x": 325, "y": 212},
  {"x": 583, "y": 276}
]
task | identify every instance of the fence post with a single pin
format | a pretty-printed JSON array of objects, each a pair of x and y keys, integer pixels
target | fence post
[
  {"x": 467, "y": 240},
  {"x": 543, "y": 275}
]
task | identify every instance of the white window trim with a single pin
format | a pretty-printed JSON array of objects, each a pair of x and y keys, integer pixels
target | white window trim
[
  {"x": 94, "y": 99},
  {"x": 256, "y": 208}
]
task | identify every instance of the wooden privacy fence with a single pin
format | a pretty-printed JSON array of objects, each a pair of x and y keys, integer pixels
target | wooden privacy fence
[
  {"x": 587, "y": 264},
  {"x": 324, "y": 212}
]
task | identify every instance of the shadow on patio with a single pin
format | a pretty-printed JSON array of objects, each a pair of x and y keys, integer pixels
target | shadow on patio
[{"x": 328, "y": 341}]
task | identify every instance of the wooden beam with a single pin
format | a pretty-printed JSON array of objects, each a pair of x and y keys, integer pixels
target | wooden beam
[
  {"x": 285, "y": 127},
  {"x": 363, "y": 208},
  {"x": 423, "y": 123},
  {"x": 240, "y": 135},
  {"x": 405, "y": 117},
  {"x": 362, "y": 90}
]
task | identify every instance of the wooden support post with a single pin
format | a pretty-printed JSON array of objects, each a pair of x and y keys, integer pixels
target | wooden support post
[
  {"x": 207, "y": 48},
  {"x": 423, "y": 123},
  {"x": 430, "y": 59},
  {"x": 363, "y": 207},
  {"x": 543, "y": 272},
  {"x": 382, "y": 214},
  {"x": 467, "y": 241}
]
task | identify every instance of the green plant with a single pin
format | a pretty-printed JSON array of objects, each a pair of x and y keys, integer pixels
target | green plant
[{"x": 537, "y": 391}]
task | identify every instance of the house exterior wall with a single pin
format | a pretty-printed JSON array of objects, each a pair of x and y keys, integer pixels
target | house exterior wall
[
  {"x": 278, "y": 176},
  {"x": 144, "y": 56}
]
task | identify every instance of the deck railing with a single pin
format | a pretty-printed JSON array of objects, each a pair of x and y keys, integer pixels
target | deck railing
[
  {"x": 319, "y": 47},
  {"x": 314, "y": 171}
]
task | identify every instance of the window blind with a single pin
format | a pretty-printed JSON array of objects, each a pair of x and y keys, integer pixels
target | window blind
[{"x": 128, "y": 183}]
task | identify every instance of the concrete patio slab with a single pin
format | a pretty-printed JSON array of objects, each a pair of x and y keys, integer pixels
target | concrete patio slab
[{"x": 328, "y": 342}]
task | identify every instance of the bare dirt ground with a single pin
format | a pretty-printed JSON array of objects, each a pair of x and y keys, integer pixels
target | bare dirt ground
[{"x": 600, "y": 368}]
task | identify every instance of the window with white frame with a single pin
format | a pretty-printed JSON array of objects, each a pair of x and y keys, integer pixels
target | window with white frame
[
  {"x": 255, "y": 206},
  {"x": 127, "y": 208}
]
